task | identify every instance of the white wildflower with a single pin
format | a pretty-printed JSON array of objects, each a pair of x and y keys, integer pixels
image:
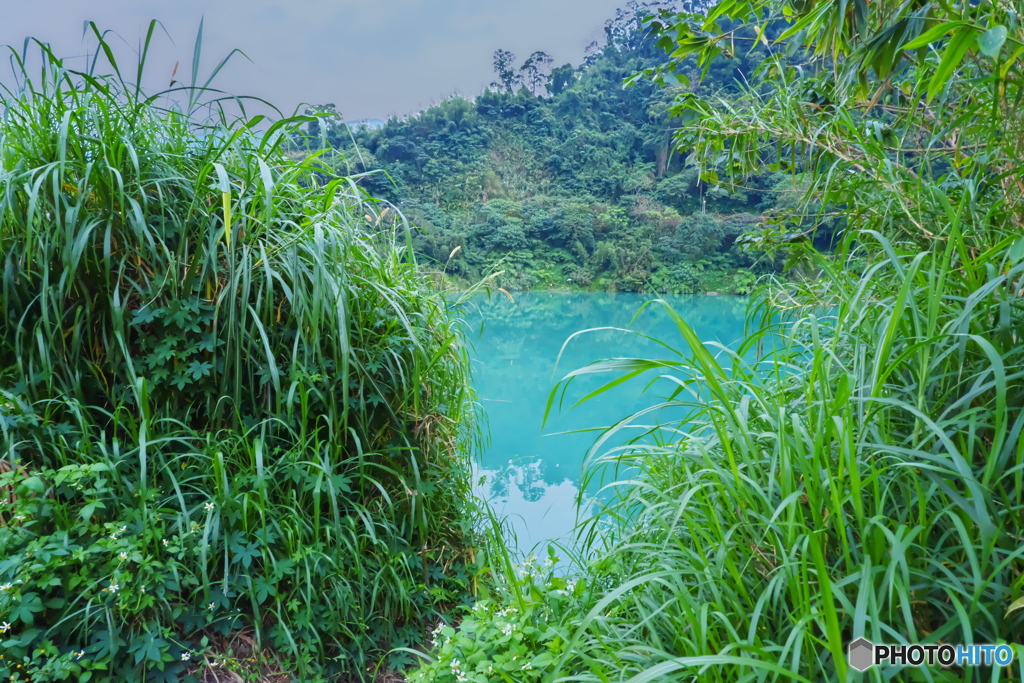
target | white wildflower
[
  {"x": 209, "y": 506},
  {"x": 5, "y": 627},
  {"x": 185, "y": 656}
]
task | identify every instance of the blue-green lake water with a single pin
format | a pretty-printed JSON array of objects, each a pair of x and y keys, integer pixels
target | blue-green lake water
[{"x": 531, "y": 474}]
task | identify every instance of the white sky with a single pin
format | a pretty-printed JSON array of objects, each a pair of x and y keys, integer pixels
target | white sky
[{"x": 372, "y": 58}]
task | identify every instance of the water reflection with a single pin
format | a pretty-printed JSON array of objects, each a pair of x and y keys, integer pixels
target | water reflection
[{"x": 532, "y": 477}]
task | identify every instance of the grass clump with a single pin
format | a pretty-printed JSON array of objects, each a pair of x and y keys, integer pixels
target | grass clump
[{"x": 234, "y": 415}]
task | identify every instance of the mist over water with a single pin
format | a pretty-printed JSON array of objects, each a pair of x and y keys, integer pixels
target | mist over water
[{"x": 531, "y": 474}]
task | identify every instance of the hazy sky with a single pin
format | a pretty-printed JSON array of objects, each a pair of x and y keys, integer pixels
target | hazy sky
[{"x": 372, "y": 58}]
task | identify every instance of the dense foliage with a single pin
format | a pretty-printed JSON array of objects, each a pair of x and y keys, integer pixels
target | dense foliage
[
  {"x": 854, "y": 470},
  {"x": 234, "y": 416},
  {"x": 571, "y": 183}
]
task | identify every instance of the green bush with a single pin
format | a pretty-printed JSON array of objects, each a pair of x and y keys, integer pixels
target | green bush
[
  {"x": 515, "y": 633},
  {"x": 232, "y": 409}
]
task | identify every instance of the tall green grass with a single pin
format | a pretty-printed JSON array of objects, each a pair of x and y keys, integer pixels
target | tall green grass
[
  {"x": 235, "y": 415},
  {"x": 854, "y": 469},
  {"x": 864, "y": 480}
]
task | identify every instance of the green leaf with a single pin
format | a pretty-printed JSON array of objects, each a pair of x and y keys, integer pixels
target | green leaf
[
  {"x": 26, "y": 610},
  {"x": 247, "y": 554},
  {"x": 951, "y": 58},
  {"x": 146, "y": 314},
  {"x": 263, "y": 589},
  {"x": 199, "y": 369},
  {"x": 992, "y": 40},
  {"x": 1016, "y": 605},
  {"x": 33, "y": 485},
  {"x": 933, "y": 34},
  {"x": 1016, "y": 251}
]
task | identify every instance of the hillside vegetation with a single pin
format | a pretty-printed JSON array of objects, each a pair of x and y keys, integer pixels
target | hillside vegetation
[{"x": 564, "y": 177}]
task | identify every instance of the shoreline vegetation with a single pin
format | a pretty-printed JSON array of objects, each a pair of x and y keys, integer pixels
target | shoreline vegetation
[
  {"x": 237, "y": 414},
  {"x": 236, "y": 418}
]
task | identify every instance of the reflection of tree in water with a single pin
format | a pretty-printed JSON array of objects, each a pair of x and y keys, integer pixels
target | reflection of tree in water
[
  {"x": 527, "y": 477},
  {"x": 515, "y": 348},
  {"x": 513, "y": 328},
  {"x": 515, "y": 345}
]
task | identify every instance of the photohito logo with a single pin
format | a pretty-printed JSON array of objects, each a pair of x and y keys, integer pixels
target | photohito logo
[{"x": 863, "y": 654}]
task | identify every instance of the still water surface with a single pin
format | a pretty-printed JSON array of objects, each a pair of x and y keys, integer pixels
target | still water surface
[{"x": 531, "y": 474}]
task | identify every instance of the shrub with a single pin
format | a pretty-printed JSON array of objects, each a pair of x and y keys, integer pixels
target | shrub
[
  {"x": 516, "y": 633},
  {"x": 231, "y": 407}
]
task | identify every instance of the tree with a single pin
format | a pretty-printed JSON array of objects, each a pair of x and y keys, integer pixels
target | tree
[
  {"x": 503, "y": 67},
  {"x": 561, "y": 78},
  {"x": 534, "y": 71}
]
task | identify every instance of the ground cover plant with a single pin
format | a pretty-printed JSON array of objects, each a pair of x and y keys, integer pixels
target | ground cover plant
[
  {"x": 855, "y": 469},
  {"x": 234, "y": 415}
]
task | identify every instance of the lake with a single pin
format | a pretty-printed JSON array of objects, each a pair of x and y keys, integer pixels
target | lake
[{"x": 529, "y": 473}]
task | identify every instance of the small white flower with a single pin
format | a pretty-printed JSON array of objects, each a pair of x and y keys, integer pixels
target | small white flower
[
  {"x": 123, "y": 529},
  {"x": 166, "y": 542},
  {"x": 185, "y": 656},
  {"x": 123, "y": 556},
  {"x": 114, "y": 588},
  {"x": 210, "y": 606},
  {"x": 20, "y": 518},
  {"x": 527, "y": 667},
  {"x": 79, "y": 654},
  {"x": 5, "y": 627},
  {"x": 209, "y": 506},
  {"x": 113, "y": 537},
  {"x": 6, "y": 587}
]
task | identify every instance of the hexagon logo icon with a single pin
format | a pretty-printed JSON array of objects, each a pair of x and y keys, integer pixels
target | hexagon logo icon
[{"x": 861, "y": 654}]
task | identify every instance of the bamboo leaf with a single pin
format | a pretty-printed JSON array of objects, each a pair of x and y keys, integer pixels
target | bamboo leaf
[
  {"x": 932, "y": 34},
  {"x": 951, "y": 58}
]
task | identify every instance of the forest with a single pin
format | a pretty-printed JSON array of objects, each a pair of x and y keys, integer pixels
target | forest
[{"x": 565, "y": 178}]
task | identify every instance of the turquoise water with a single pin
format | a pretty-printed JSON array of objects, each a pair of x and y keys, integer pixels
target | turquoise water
[{"x": 529, "y": 473}]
